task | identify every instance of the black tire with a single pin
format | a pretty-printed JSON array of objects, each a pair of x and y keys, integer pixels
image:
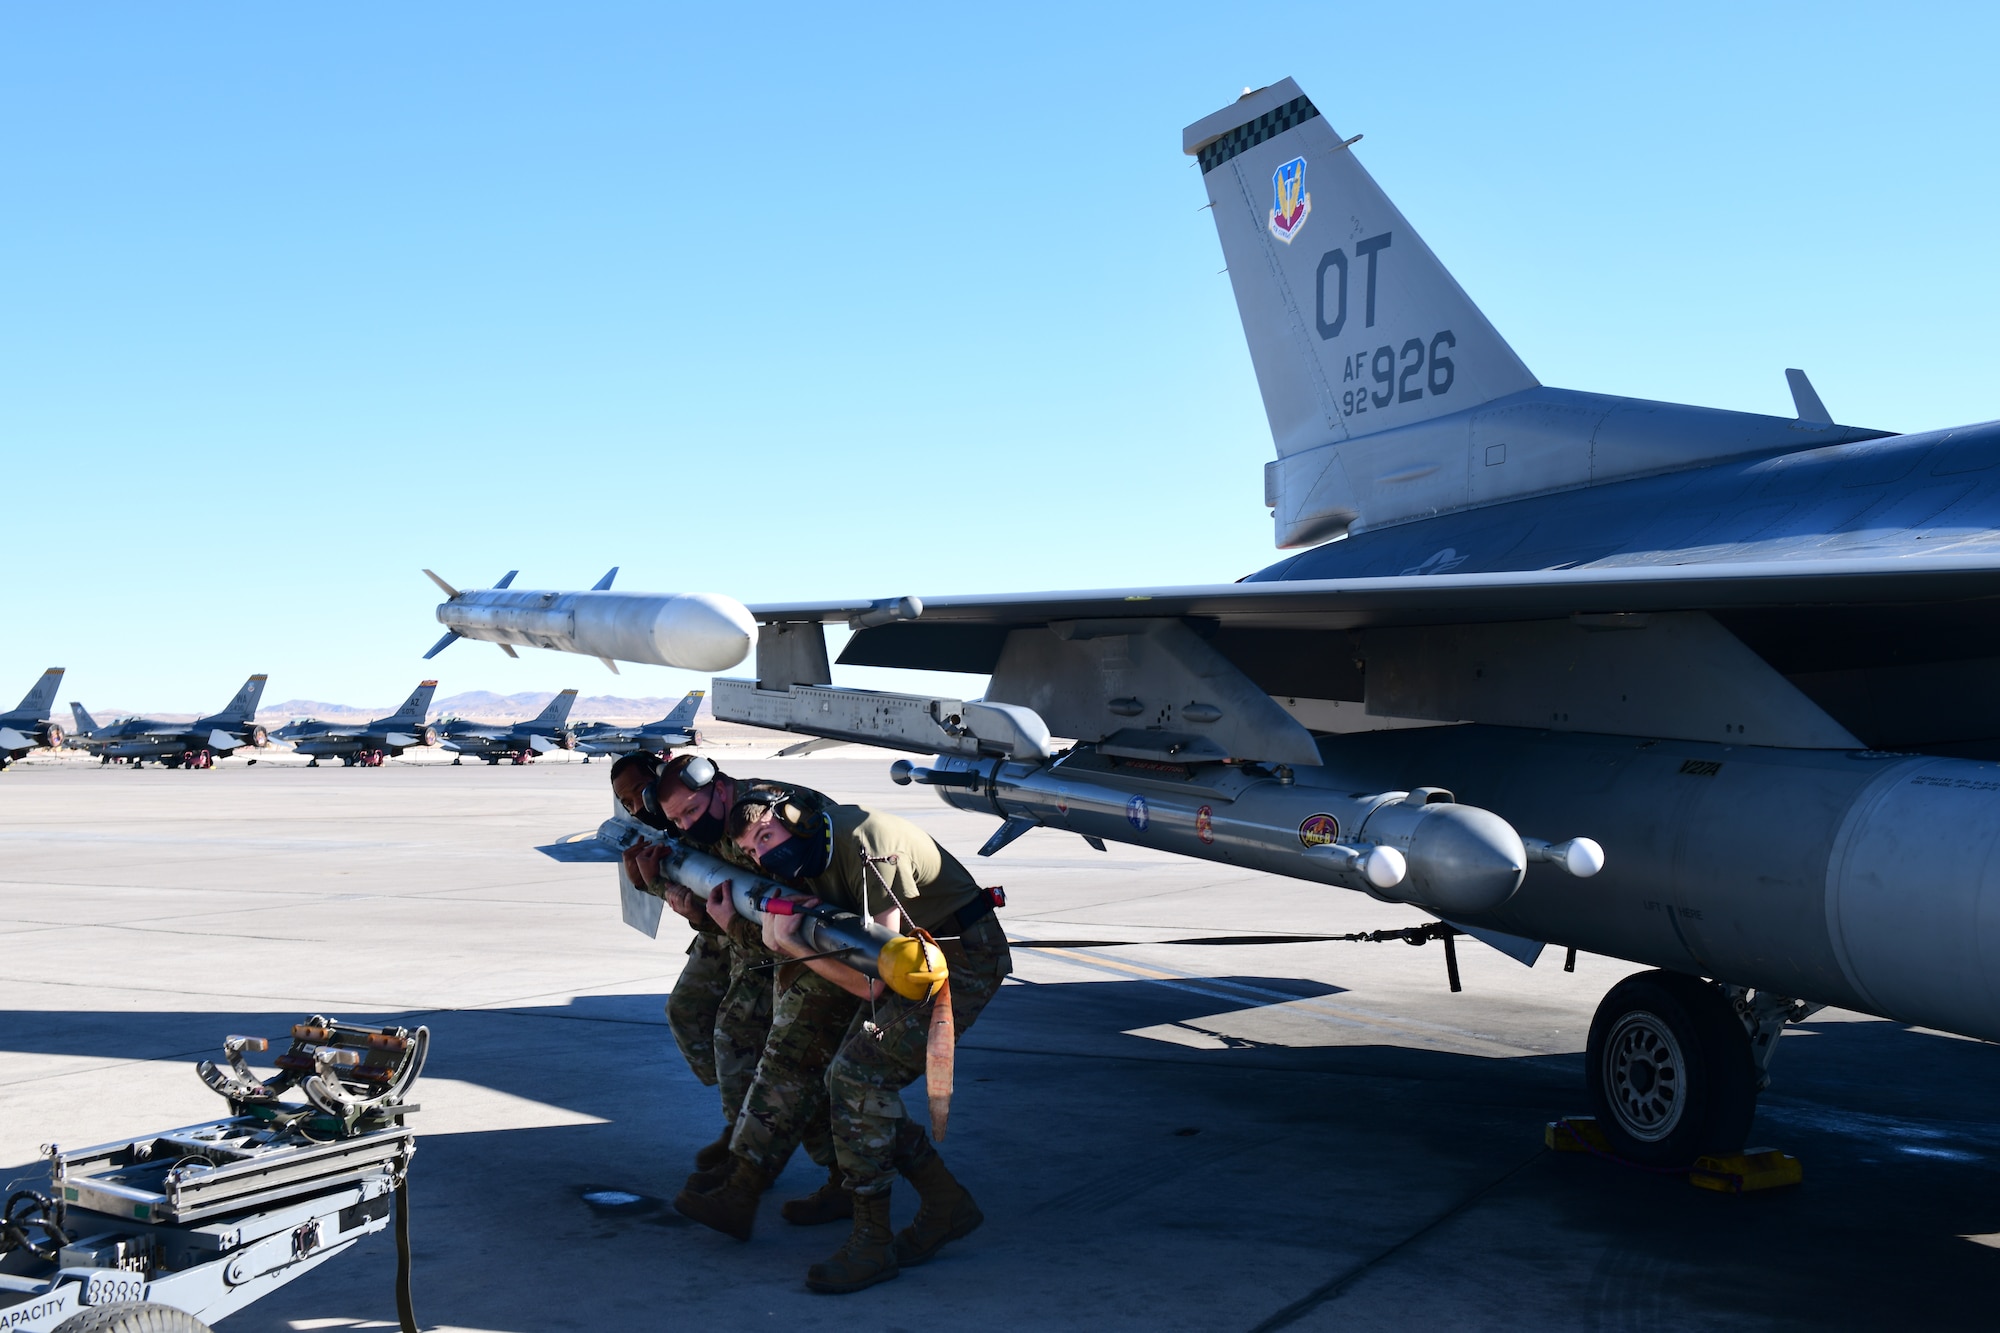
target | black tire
[
  {"x": 1669, "y": 1070},
  {"x": 143, "y": 1317}
]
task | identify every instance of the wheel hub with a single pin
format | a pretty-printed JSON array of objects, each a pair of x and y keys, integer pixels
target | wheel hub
[{"x": 1645, "y": 1076}]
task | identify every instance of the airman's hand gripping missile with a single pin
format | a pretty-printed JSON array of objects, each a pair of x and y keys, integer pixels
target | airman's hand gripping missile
[{"x": 911, "y": 967}]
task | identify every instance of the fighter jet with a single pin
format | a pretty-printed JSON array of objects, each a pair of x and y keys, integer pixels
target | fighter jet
[
  {"x": 366, "y": 743},
  {"x": 26, "y": 726},
  {"x": 519, "y": 743},
  {"x": 675, "y": 729},
  {"x": 194, "y": 744},
  {"x": 1708, "y": 691}
]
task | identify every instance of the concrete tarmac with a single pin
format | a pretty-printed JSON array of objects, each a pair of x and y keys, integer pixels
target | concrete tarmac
[{"x": 1162, "y": 1133}]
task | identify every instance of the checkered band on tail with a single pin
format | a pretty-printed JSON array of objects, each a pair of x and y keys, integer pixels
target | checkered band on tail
[{"x": 1244, "y": 137}]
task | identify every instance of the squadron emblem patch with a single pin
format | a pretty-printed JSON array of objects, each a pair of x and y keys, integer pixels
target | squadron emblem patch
[
  {"x": 1204, "y": 824},
  {"x": 1318, "y": 830},
  {"x": 1136, "y": 813},
  {"x": 1289, "y": 201}
]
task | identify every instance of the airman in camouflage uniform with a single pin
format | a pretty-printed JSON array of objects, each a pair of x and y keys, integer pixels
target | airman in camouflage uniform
[
  {"x": 720, "y": 1008},
  {"x": 883, "y": 867}
]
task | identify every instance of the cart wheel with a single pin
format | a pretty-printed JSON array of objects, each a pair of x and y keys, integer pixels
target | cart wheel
[{"x": 144, "y": 1317}]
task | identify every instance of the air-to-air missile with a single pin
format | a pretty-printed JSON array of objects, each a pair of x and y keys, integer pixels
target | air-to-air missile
[{"x": 697, "y": 631}]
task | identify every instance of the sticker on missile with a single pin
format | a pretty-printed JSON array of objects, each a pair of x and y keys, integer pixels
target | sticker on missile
[
  {"x": 1204, "y": 824},
  {"x": 1135, "y": 813},
  {"x": 1318, "y": 830}
]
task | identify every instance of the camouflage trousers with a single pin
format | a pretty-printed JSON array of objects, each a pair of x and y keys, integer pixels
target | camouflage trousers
[
  {"x": 873, "y": 1135},
  {"x": 696, "y": 998},
  {"x": 786, "y": 1103}
]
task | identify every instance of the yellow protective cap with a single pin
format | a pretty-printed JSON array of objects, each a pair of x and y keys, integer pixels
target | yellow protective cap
[{"x": 911, "y": 967}]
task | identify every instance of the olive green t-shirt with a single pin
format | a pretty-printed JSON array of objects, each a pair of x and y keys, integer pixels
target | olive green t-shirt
[{"x": 929, "y": 879}]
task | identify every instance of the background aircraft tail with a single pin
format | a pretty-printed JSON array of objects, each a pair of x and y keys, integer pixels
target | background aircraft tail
[
  {"x": 86, "y": 725},
  {"x": 682, "y": 716},
  {"x": 557, "y": 712},
  {"x": 35, "y": 704},
  {"x": 244, "y": 706},
  {"x": 414, "y": 707}
]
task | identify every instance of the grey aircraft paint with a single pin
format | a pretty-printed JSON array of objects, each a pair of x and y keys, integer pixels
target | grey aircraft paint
[
  {"x": 671, "y": 732},
  {"x": 178, "y": 744},
  {"x": 548, "y": 730},
  {"x": 26, "y": 726},
  {"x": 366, "y": 742}
]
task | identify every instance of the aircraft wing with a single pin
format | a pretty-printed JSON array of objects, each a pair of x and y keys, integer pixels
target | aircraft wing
[{"x": 954, "y": 633}]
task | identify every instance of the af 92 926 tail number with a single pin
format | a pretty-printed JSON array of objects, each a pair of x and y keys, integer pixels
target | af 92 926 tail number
[{"x": 1392, "y": 374}]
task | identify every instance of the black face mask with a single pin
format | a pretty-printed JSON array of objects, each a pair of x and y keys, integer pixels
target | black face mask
[
  {"x": 707, "y": 830},
  {"x": 650, "y": 817},
  {"x": 796, "y": 858}
]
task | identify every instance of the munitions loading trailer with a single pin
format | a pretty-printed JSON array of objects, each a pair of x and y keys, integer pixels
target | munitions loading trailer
[{"x": 170, "y": 1232}]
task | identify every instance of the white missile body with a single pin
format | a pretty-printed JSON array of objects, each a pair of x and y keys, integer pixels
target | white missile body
[{"x": 697, "y": 631}]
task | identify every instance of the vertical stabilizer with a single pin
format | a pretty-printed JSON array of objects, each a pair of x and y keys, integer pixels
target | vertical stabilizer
[
  {"x": 1354, "y": 326},
  {"x": 243, "y": 707},
  {"x": 683, "y": 715},
  {"x": 416, "y": 706},
  {"x": 557, "y": 712},
  {"x": 86, "y": 725},
  {"x": 36, "y": 703}
]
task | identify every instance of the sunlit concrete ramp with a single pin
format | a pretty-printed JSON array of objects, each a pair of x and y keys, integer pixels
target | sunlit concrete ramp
[{"x": 1168, "y": 1124}]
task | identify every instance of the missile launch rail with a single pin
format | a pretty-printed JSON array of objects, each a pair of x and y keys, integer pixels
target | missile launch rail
[{"x": 198, "y": 1222}]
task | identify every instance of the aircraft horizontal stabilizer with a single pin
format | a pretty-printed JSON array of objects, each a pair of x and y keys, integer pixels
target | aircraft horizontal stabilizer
[
  {"x": 399, "y": 739},
  {"x": 222, "y": 740},
  {"x": 11, "y": 739}
]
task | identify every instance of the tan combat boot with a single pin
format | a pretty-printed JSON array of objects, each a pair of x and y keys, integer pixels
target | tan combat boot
[
  {"x": 868, "y": 1257},
  {"x": 731, "y": 1208},
  {"x": 716, "y": 1153},
  {"x": 829, "y": 1203},
  {"x": 945, "y": 1212}
]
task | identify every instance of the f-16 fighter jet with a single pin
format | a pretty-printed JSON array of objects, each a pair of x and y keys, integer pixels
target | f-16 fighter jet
[
  {"x": 519, "y": 743},
  {"x": 194, "y": 744},
  {"x": 1708, "y": 691},
  {"x": 674, "y": 730},
  {"x": 365, "y": 743},
  {"x": 26, "y": 726}
]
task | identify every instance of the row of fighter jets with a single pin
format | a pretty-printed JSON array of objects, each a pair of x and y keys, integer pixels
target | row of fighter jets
[{"x": 198, "y": 744}]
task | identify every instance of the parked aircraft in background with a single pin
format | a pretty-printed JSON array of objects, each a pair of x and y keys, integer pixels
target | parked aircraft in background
[
  {"x": 27, "y": 727},
  {"x": 670, "y": 732},
  {"x": 519, "y": 743},
  {"x": 365, "y": 743},
  {"x": 194, "y": 744}
]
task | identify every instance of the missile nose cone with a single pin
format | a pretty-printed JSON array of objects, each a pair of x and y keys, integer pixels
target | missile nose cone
[
  {"x": 1464, "y": 859},
  {"x": 703, "y": 631}
]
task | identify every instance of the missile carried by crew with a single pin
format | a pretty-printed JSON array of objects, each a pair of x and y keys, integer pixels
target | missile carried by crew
[
  {"x": 913, "y": 968},
  {"x": 698, "y": 631},
  {"x": 1419, "y": 847}
]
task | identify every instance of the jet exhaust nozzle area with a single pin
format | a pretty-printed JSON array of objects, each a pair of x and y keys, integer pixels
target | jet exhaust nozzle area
[
  {"x": 1416, "y": 847},
  {"x": 695, "y": 631}
]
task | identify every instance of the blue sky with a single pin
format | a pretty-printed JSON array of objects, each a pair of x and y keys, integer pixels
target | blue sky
[{"x": 796, "y": 303}]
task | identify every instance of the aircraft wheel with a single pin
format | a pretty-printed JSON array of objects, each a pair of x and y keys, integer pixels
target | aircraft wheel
[
  {"x": 456, "y": 762},
  {"x": 312, "y": 763},
  {"x": 1669, "y": 1070}
]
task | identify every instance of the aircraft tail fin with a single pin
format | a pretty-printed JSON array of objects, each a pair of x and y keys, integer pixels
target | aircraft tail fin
[
  {"x": 1354, "y": 326},
  {"x": 418, "y": 704},
  {"x": 244, "y": 706},
  {"x": 682, "y": 716},
  {"x": 35, "y": 704},
  {"x": 85, "y": 723},
  {"x": 557, "y": 712}
]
